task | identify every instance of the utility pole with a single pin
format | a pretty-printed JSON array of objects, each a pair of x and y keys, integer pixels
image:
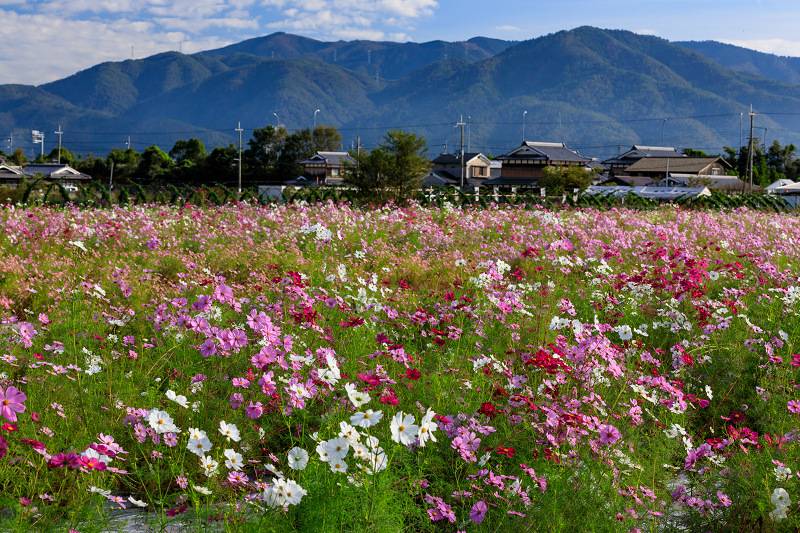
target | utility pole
[
  {"x": 10, "y": 143},
  {"x": 750, "y": 148},
  {"x": 662, "y": 131},
  {"x": 59, "y": 132},
  {"x": 358, "y": 145},
  {"x": 239, "y": 129},
  {"x": 523, "y": 125},
  {"x": 469, "y": 135},
  {"x": 111, "y": 179},
  {"x": 128, "y": 143},
  {"x": 462, "y": 124}
]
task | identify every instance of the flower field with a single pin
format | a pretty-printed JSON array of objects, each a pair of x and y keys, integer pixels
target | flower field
[{"x": 329, "y": 368}]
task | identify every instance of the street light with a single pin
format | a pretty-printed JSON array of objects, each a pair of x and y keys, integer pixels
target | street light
[
  {"x": 523, "y": 125},
  {"x": 315, "y": 118},
  {"x": 662, "y": 131},
  {"x": 278, "y": 119}
]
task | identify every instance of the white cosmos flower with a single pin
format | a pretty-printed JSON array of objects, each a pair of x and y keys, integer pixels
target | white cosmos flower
[
  {"x": 293, "y": 492},
  {"x": 199, "y": 447},
  {"x": 366, "y": 420},
  {"x": 161, "y": 422},
  {"x": 338, "y": 467},
  {"x": 349, "y": 432},
  {"x": 377, "y": 463},
  {"x": 298, "y": 458},
  {"x": 209, "y": 465},
  {"x": 426, "y": 428},
  {"x": 234, "y": 460},
  {"x": 782, "y": 473},
  {"x": 179, "y": 399},
  {"x": 780, "y": 498},
  {"x": 357, "y": 397},
  {"x": 403, "y": 428},
  {"x": 624, "y": 332},
  {"x": 337, "y": 448},
  {"x": 230, "y": 431},
  {"x": 138, "y": 503},
  {"x": 201, "y": 490},
  {"x": 324, "y": 456},
  {"x": 197, "y": 434}
]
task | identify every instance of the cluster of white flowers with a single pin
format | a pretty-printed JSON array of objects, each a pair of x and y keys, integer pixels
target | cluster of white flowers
[{"x": 781, "y": 501}]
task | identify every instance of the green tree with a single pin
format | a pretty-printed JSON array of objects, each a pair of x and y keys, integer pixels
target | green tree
[
  {"x": 191, "y": 151},
  {"x": 263, "y": 150},
  {"x": 96, "y": 167},
  {"x": 220, "y": 166},
  {"x": 556, "y": 179},
  {"x": 125, "y": 162},
  {"x": 67, "y": 156},
  {"x": 391, "y": 172},
  {"x": 691, "y": 152},
  {"x": 18, "y": 157},
  {"x": 154, "y": 165}
]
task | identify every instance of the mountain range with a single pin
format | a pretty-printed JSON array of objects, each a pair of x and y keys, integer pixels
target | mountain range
[{"x": 597, "y": 90}]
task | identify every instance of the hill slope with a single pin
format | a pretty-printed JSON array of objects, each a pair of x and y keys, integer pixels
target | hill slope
[{"x": 594, "y": 89}]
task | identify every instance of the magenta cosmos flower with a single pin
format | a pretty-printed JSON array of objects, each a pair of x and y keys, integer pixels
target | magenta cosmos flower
[
  {"x": 11, "y": 403},
  {"x": 794, "y": 406},
  {"x": 609, "y": 434}
]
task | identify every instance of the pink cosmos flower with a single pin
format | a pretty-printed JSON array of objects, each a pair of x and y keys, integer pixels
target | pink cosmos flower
[
  {"x": 11, "y": 403},
  {"x": 794, "y": 406},
  {"x": 609, "y": 434},
  {"x": 478, "y": 512},
  {"x": 254, "y": 410}
]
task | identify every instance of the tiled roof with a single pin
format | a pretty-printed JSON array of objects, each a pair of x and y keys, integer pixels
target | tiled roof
[
  {"x": 544, "y": 151},
  {"x": 687, "y": 165},
  {"x": 331, "y": 158}
]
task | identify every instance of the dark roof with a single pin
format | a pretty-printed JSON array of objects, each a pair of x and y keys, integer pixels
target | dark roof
[
  {"x": 633, "y": 181},
  {"x": 441, "y": 179},
  {"x": 688, "y": 165},
  {"x": 544, "y": 151},
  {"x": 454, "y": 159},
  {"x": 331, "y": 158},
  {"x": 638, "y": 152},
  {"x": 512, "y": 182},
  {"x": 48, "y": 169}
]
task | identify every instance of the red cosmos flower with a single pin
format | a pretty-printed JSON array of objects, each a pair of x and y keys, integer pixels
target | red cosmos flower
[
  {"x": 509, "y": 452},
  {"x": 10, "y": 427},
  {"x": 353, "y": 322},
  {"x": 35, "y": 444},
  {"x": 177, "y": 510},
  {"x": 489, "y": 410},
  {"x": 413, "y": 374},
  {"x": 369, "y": 380}
]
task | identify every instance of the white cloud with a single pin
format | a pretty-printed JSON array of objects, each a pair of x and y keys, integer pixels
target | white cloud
[
  {"x": 53, "y": 49},
  {"x": 507, "y": 28},
  {"x": 781, "y": 47},
  {"x": 645, "y": 32}
]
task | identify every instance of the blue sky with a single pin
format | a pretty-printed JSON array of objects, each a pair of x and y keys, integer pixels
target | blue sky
[{"x": 52, "y": 39}]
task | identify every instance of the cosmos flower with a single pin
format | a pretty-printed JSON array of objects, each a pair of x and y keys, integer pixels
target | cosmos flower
[{"x": 11, "y": 403}]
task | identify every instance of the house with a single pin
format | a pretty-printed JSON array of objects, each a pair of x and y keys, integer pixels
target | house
[
  {"x": 10, "y": 175},
  {"x": 719, "y": 183},
  {"x": 524, "y": 165},
  {"x": 476, "y": 168},
  {"x": 623, "y": 161},
  {"x": 627, "y": 181},
  {"x": 659, "y": 168},
  {"x": 325, "y": 168}
]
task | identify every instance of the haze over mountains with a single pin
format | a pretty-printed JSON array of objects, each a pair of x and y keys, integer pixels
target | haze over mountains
[{"x": 593, "y": 89}]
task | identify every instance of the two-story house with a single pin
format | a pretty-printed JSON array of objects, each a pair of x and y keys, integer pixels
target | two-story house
[
  {"x": 325, "y": 168},
  {"x": 524, "y": 165}
]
